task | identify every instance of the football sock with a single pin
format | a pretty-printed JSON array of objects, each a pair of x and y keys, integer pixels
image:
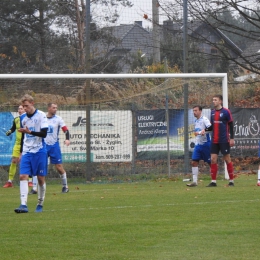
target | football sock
[
  {"x": 258, "y": 175},
  {"x": 64, "y": 179},
  {"x": 24, "y": 191},
  {"x": 12, "y": 171},
  {"x": 230, "y": 171},
  {"x": 213, "y": 171},
  {"x": 35, "y": 182},
  {"x": 195, "y": 172},
  {"x": 41, "y": 193}
]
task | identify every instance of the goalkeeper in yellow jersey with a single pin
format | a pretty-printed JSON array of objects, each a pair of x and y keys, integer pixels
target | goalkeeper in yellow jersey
[{"x": 16, "y": 149}]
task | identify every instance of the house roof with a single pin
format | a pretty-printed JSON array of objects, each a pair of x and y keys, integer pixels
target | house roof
[
  {"x": 252, "y": 53},
  {"x": 121, "y": 31},
  {"x": 193, "y": 29},
  {"x": 250, "y": 58}
]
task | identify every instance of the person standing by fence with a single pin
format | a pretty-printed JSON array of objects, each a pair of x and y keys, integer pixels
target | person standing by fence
[
  {"x": 222, "y": 139},
  {"x": 55, "y": 123},
  {"x": 34, "y": 128},
  {"x": 16, "y": 149},
  {"x": 202, "y": 147}
]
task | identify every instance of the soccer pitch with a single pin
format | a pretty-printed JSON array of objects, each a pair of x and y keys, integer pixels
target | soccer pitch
[{"x": 139, "y": 220}]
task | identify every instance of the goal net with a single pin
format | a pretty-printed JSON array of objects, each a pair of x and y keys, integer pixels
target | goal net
[{"x": 124, "y": 124}]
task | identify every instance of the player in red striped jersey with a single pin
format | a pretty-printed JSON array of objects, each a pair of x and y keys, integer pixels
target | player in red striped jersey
[{"x": 222, "y": 139}]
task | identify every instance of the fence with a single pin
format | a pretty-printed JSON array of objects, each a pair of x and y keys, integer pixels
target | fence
[{"x": 123, "y": 111}]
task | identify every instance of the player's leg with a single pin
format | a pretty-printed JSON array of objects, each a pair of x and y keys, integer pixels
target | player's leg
[
  {"x": 214, "y": 150},
  {"x": 30, "y": 183},
  {"x": 195, "y": 173},
  {"x": 41, "y": 193},
  {"x": 13, "y": 166},
  {"x": 225, "y": 150},
  {"x": 25, "y": 171},
  {"x": 194, "y": 166},
  {"x": 56, "y": 158},
  {"x": 34, "y": 186},
  {"x": 11, "y": 173},
  {"x": 63, "y": 176},
  {"x": 40, "y": 167},
  {"x": 258, "y": 176}
]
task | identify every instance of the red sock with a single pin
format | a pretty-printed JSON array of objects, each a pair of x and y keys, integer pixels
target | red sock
[
  {"x": 230, "y": 170},
  {"x": 213, "y": 170}
]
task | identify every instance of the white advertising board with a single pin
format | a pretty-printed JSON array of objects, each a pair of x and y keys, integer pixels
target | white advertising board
[{"x": 111, "y": 136}]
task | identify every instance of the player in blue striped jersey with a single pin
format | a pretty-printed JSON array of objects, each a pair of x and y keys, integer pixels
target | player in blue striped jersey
[
  {"x": 55, "y": 124},
  {"x": 34, "y": 128},
  {"x": 202, "y": 143}
]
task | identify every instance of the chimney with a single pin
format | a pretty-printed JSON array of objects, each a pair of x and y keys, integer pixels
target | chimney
[
  {"x": 168, "y": 25},
  {"x": 140, "y": 23}
]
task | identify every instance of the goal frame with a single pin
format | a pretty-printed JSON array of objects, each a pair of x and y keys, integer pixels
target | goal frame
[{"x": 223, "y": 76}]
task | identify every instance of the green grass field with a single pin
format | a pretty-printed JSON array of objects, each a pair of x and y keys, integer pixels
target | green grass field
[{"x": 139, "y": 220}]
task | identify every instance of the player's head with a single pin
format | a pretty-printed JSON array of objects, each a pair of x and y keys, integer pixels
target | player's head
[
  {"x": 52, "y": 108},
  {"x": 217, "y": 101},
  {"x": 20, "y": 110},
  {"x": 197, "y": 110},
  {"x": 28, "y": 104}
]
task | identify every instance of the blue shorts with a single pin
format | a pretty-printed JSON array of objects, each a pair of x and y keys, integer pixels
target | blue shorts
[
  {"x": 201, "y": 152},
  {"x": 34, "y": 164},
  {"x": 54, "y": 152}
]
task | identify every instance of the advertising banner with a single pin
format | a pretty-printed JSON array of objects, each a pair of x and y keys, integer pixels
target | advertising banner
[
  {"x": 246, "y": 129},
  {"x": 110, "y": 140},
  {"x": 6, "y": 142},
  {"x": 152, "y": 132},
  {"x": 111, "y": 136}
]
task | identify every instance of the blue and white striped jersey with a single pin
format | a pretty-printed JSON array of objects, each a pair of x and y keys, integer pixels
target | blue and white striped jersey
[
  {"x": 55, "y": 123},
  {"x": 200, "y": 124},
  {"x": 36, "y": 122}
]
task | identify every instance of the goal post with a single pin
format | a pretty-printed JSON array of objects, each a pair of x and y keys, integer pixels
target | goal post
[{"x": 182, "y": 76}]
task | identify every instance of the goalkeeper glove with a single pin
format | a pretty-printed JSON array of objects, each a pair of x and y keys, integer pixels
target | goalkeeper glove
[{"x": 8, "y": 132}]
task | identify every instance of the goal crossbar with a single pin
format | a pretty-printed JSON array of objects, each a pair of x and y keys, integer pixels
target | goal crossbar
[{"x": 116, "y": 76}]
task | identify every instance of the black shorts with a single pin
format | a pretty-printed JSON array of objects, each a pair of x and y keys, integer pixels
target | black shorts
[{"x": 223, "y": 147}]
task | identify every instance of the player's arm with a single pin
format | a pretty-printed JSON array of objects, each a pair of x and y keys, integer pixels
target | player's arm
[
  {"x": 21, "y": 146},
  {"x": 209, "y": 128},
  {"x": 67, "y": 135},
  {"x": 12, "y": 129},
  {"x": 231, "y": 134},
  {"x": 42, "y": 133},
  {"x": 231, "y": 130}
]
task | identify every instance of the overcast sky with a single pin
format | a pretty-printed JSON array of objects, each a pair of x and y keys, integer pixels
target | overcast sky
[
  {"x": 141, "y": 7},
  {"x": 135, "y": 13}
]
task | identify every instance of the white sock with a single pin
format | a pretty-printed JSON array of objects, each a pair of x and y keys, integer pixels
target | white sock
[
  {"x": 41, "y": 193},
  {"x": 35, "y": 183},
  {"x": 195, "y": 173},
  {"x": 24, "y": 192},
  {"x": 10, "y": 181},
  {"x": 258, "y": 175},
  {"x": 64, "y": 179}
]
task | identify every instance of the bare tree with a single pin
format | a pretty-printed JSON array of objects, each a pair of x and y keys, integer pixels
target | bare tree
[
  {"x": 48, "y": 36},
  {"x": 238, "y": 20}
]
